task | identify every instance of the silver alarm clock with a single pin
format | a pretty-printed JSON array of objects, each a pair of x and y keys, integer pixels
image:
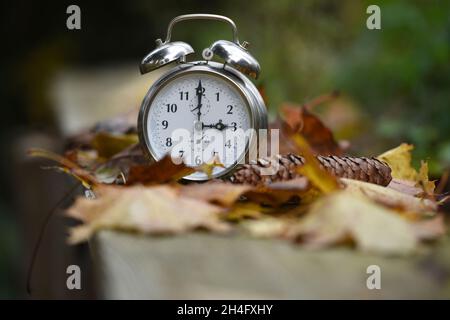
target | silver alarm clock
[{"x": 200, "y": 110}]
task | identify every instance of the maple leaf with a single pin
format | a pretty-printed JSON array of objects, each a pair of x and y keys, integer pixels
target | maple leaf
[
  {"x": 340, "y": 216},
  {"x": 151, "y": 210},
  {"x": 297, "y": 119},
  {"x": 390, "y": 197},
  {"x": 164, "y": 170},
  {"x": 399, "y": 159},
  {"x": 67, "y": 166}
]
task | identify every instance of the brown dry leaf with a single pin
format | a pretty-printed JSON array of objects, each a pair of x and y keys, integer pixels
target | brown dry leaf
[
  {"x": 336, "y": 217},
  {"x": 300, "y": 120},
  {"x": 222, "y": 193},
  {"x": 152, "y": 210},
  {"x": 67, "y": 166},
  {"x": 278, "y": 193},
  {"x": 165, "y": 170},
  {"x": 399, "y": 159},
  {"x": 390, "y": 197}
]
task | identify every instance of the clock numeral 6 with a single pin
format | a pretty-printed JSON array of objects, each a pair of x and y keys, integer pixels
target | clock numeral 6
[
  {"x": 198, "y": 161},
  {"x": 171, "y": 107}
]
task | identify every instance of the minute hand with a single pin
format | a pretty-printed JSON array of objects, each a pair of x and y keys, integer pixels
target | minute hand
[{"x": 199, "y": 93}]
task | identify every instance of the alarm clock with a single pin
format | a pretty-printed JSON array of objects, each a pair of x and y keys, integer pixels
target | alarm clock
[{"x": 205, "y": 109}]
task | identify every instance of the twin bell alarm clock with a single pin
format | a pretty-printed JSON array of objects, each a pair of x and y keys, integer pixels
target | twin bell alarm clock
[{"x": 199, "y": 110}]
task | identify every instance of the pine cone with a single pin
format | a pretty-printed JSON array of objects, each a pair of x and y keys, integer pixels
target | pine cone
[{"x": 364, "y": 169}]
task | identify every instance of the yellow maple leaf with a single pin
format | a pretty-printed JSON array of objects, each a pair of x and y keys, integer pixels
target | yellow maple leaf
[{"x": 399, "y": 160}]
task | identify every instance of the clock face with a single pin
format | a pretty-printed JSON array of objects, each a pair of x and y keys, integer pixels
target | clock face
[{"x": 199, "y": 116}]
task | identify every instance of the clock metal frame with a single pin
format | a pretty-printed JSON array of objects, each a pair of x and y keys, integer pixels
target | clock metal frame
[{"x": 254, "y": 103}]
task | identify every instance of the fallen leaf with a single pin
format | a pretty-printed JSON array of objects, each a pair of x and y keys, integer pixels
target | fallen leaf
[
  {"x": 399, "y": 159},
  {"x": 244, "y": 210},
  {"x": 302, "y": 121},
  {"x": 208, "y": 166},
  {"x": 266, "y": 228},
  {"x": 66, "y": 166},
  {"x": 390, "y": 197},
  {"x": 405, "y": 186},
  {"x": 430, "y": 229},
  {"x": 151, "y": 210},
  {"x": 342, "y": 215},
  {"x": 318, "y": 176},
  {"x": 164, "y": 170},
  {"x": 278, "y": 193},
  {"x": 423, "y": 181},
  {"x": 222, "y": 193}
]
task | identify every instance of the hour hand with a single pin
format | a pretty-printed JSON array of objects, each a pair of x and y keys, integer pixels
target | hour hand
[{"x": 219, "y": 125}]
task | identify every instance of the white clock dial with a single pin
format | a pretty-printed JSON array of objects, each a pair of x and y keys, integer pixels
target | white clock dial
[{"x": 208, "y": 107}]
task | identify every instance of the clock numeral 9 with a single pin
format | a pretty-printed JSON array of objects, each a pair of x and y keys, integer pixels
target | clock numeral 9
[
  {"x": 184, "y": 95},
  {"x": 171, "y": 107},
  {"x": 169, "y": 142},
  {"x": 230, "y": 109},
  {"x": 165, "y": 124}
]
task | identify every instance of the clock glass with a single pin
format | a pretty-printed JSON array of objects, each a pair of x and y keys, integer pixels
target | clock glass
[{"x": 198, "y": 116}]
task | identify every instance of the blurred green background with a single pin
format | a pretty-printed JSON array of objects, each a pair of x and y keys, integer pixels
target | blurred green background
[{"x": 394, "y": 82}]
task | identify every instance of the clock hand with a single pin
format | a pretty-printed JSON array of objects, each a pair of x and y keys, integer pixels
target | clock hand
[
  {"x": 219, "y": 125},
  {"x": 199, "y": 93}
]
